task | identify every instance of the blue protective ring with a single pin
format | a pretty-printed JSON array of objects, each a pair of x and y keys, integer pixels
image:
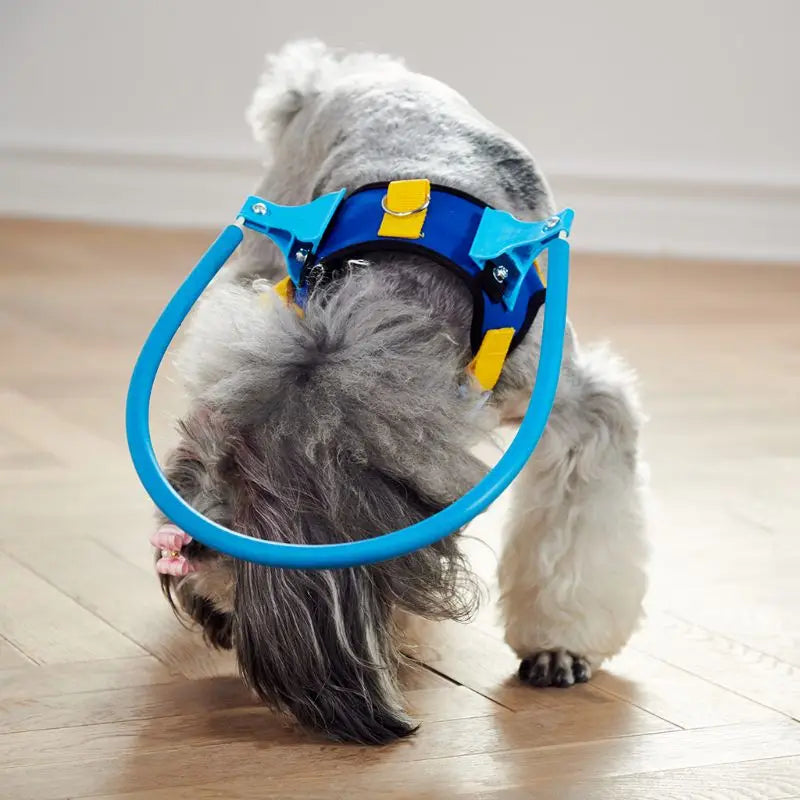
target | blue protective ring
[{"x": 344, "y": 554}]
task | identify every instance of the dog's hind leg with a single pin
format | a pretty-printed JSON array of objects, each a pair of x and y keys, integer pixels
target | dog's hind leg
[{"x": 571, "y": 573}]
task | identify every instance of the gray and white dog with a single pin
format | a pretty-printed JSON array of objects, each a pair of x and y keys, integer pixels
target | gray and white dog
[{"x": 349, "y": 422}]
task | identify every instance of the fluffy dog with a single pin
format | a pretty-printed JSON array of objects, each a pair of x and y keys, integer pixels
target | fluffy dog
[{"x": 350, "y": 422}]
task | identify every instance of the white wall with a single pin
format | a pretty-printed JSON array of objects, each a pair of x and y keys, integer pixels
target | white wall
[{"x": 671, "y": 126}]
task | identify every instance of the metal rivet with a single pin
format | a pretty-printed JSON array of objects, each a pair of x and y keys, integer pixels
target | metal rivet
[
  {"x": 301, "y": 255},
  {"x": 551, "y": 223},
  {"x": 259, "y": 208},
  {"x": 500, "y": 273}
]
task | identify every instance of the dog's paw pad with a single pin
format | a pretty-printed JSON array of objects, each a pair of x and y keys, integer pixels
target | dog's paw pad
[{"x": 554, "y": 668}]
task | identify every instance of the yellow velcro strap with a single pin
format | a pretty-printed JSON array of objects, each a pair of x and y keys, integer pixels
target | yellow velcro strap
[
  {"x": 539, "y": 272},
  {"x": 405, "y": 207},
  {"x": 488, "y": 362},
  {"x": 285, "y": 290}
]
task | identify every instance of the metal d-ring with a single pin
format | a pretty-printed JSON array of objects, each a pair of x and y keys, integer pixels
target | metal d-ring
[{"x": 405, "y": 213}]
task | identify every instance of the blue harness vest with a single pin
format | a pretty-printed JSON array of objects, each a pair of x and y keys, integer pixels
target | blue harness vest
[
  {"x": 450, "y": 229},
  {"x": 493, "y": 253}
]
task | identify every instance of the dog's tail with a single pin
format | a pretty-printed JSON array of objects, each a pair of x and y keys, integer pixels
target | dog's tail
[
  {"x": 345, "y": 424},
  {"x": 298, "y": 73}
]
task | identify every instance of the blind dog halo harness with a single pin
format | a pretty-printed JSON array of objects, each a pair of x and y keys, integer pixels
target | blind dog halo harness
[{"x": 492, "y": 251}]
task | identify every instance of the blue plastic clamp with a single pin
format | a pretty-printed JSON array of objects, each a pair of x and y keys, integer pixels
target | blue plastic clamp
[
  {"x": 296, "y": 230},
  {"x": 504, "y": 240}
]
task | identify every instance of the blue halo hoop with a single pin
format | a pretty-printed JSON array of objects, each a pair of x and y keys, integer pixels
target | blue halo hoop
[{"x": 367, "y": 551}]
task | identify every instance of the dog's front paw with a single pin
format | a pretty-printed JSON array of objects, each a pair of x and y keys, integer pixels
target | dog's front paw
[{"x": 554, "y": 668}]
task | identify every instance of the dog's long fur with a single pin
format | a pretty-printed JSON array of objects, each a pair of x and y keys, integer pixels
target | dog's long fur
[{"x": 349, "y": 422}]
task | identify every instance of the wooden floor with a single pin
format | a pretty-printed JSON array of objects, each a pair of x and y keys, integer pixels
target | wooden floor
[{"x": 103, "y": 694}]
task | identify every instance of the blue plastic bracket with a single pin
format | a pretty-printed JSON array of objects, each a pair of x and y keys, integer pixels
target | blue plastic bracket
[
  {"x": 296, "y": 230},
  {"x": 506, "y": 241}
]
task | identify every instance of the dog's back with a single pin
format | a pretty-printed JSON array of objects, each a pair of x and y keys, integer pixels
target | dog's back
[{"x": 330, "y": 120}]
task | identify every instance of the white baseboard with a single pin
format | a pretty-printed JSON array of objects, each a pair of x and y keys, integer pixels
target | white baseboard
[
  {"x": 131, "y": 189},
  {"x": 686, "y": 216}
]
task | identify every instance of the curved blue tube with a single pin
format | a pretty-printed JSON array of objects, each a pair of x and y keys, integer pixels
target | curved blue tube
[{"x": 345, "y": 554}]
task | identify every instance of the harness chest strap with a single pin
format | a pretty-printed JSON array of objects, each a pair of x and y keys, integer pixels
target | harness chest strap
[
  {"x": 285, "y": 290},
  {"x": 487, "y": 365}
]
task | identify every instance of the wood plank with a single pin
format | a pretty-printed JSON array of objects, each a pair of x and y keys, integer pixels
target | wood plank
[
  {"x": 440, "y": 703},
  {"x": 130, "y": 540},
  {"x": 82, "y": 676},
  {"x": 675, "y": 695},
  {"x": 49, "y": 627},
  {"x": 754, "y": 511},
  {"x": 107, "y": 591},
  {"x": 439, "y": 764},
  {"x": 11, "y": 657},
  {"x": 119, "y": 705},
  {"x": 730, "y": 664},
  {"x": 104, "y": 498},
  {"x": 470, "y": 656},
  {"x": 418, "y": 676},
  {"x": 127, "y": 538},
  {"x": 37, "y": 475},
  {"x": 768, "y": 779},
  {"x": 278, "y": 747},
  {"x": 219, "y": 713},
  {"x": 19, "y": 456},
  {"x": 49, "y": 433}
]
